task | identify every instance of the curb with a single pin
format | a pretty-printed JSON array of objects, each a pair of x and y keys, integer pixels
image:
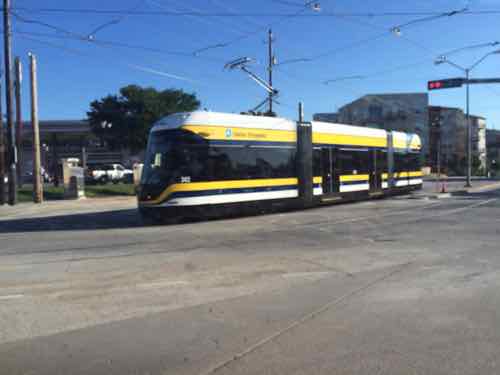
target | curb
[
  {"x": 483, "y": 188},
  {"x": 461, "y": 192}
]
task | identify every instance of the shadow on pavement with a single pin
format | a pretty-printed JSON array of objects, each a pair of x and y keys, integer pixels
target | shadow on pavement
[{"x": 128, "y": 218}]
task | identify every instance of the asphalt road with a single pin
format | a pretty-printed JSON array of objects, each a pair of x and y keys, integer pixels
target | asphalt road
[{"x": 394, "y": 286}]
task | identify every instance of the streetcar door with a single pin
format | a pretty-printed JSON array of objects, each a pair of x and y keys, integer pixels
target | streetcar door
[
  {"x": 336, "y": 170},
  {"x": 376, "y": 170},
  {"x": 327, "y": 170}
]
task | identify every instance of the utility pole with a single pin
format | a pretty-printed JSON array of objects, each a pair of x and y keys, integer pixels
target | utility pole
[
  {"x": 19, "y": 121},
  {"x": 12, "y": 159},
  {"x": 37, "y": 176},
  {"x": 2, "y": 154},
  {"x": 270, "y": 69},
  {"x": 469, "y": 133}
]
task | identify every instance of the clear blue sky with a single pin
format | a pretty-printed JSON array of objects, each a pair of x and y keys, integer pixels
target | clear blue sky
[{"x": 73, "y": 72}]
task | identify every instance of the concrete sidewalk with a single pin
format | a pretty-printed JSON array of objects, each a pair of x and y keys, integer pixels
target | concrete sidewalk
[
  {"x": 446, "y": 188},
  {"x": 69, "y": 206}
]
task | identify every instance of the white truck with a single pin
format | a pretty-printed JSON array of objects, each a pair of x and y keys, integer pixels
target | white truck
[{"x": 105, "y": 173}]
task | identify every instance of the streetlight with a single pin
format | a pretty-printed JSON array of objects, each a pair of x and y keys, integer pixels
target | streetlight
[{"x": 443, "y": 59}]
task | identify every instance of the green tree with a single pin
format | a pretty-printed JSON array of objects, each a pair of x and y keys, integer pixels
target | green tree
[{"x": 124, "y": 120}]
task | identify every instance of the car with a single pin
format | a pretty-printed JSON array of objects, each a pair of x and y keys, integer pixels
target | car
[
  {"x": 28, "y": 176},
  {"x": 105, "y": 173}
]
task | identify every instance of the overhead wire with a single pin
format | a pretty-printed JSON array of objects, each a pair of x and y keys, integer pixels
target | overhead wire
[
  {"x": 199, "y": 18},
  {"x": 474, "y": 46},
  {"x": 55, "y": 10},
  {"x": 114, "y": 21},
  {"x": 99, "y": 42},
  {"x": 431, "y": 18},
  {"x": 384, "y": 33},
  {"x": 254, "y": 32},
  {"x": 120, "y": 62},
  {"x": 231, "y": 10}
]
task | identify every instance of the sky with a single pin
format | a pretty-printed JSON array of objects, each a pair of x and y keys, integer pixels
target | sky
[{"x": 159, "y": 51}]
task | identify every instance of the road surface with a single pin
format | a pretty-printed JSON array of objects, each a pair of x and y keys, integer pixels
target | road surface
[{"x": 394, "y": 286}]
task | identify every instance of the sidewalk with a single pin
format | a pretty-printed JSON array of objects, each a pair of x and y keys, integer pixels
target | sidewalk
[
  {"x": 456, "y": 186},
  {"x": 64, "y": 207}
]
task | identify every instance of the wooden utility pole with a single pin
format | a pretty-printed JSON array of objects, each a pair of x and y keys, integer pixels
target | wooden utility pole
[
  {"x": 2, "y": 154},
  {"x": 19, "y": 121},
  {"x": 12, "y": 159},
  {"x": 37, "y": 176}
]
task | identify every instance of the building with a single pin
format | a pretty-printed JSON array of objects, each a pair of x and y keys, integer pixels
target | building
[
  {"x": 493, "y": 151},
  {"x": 448, "y": 140},
  {"x": 68, "y": 139},
  {"x": 479, "y": 150},
  {"x": 326, "y": 117},
  {"x": 404, "y": 112}
]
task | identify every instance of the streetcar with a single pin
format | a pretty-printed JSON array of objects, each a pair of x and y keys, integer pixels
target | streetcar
[{"x": 204, "y": 164}]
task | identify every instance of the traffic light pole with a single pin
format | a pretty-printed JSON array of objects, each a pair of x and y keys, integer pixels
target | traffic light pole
[
  {"x": 459, "y": 82},
  {"x": 3, "y": 189}
]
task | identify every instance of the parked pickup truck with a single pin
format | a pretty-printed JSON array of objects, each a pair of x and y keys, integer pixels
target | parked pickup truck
[{"x": 103, "y": 174}]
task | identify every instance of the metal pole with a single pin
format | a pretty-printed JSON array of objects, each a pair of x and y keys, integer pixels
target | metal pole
[
  {"x": 439, "y": 164},
  {"x": 19, "y": 122},
  {"x": 270, "y": 69},
  {"x": 84, "y": 158},
  {"x": 2, "y": 154},
  {"x": 469, "y": 135},
  {"x": 10, "y": 111},
  {"x": 301, "y": 112},
  {"x": 37, "y": 176}
]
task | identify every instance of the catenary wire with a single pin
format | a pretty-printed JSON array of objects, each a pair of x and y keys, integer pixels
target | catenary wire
[
  {"x": 55, "y": 10},
  {"x": 126, "y": 64}
]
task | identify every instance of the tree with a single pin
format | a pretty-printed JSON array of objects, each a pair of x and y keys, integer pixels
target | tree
[{"x": 124, "y": 120}]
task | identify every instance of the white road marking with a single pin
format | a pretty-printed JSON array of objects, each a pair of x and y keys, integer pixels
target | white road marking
[
  {"x": 159, "y": 284},
  {"x": 307, "y": 274},
  {"x": 11, "y": 296}
]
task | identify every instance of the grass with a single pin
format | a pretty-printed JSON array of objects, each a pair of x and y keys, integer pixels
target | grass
[
  {"x": 25, "y": 194},
  {"x": 109, "y": 190}
]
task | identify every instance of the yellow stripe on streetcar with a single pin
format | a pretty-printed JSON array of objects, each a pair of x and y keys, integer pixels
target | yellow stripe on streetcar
[
  {"x": 230, "y": 184},
  {"x": 385, "y": 176},
  {"x": 229, "y": 133},
  {"x": 354, "y": 177}
]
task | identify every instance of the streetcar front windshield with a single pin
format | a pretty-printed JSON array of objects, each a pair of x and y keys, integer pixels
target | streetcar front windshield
[{"x": 173, "y": 155}]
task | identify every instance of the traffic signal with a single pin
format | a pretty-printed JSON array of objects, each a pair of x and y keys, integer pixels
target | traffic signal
[{"x": 445, "y": 83}]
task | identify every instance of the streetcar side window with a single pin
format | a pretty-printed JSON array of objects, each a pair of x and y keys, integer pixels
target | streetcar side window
[
  {"x": 251, "y": 162},
  {"x": 382, "y": 164},
  {"x": 414, "y": 162},
  {"x": 353, "y": 161},
  {"x": 401, "y": 162}
]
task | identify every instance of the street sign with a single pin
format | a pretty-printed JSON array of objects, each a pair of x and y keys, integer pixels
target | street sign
[{"x": 445, "y": 83}]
